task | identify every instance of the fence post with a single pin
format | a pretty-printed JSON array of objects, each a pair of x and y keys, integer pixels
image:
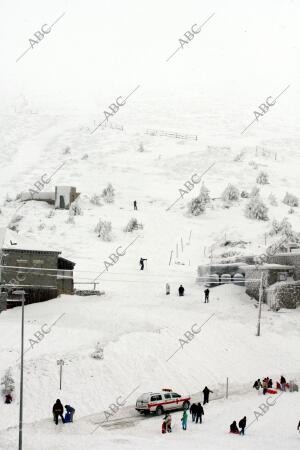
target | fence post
[
  {"x": 181, "y": 244},
  {"x": 227, "y": 386},
  {"x": 170, "y": 257}
]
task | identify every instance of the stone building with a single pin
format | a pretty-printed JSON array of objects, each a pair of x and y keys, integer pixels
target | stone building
[
  {"x": 61, "y": 198},
  {"x": 42, "y": 274}
]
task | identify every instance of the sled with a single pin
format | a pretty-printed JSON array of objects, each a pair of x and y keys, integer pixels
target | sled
[{"x": 271, "y": 391}]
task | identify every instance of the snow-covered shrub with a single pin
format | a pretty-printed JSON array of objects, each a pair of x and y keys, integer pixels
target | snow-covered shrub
[
  {"x": 198, "y": 204},
  {"x": 281, "y": 227},
  {"x": 256, "y": 209},
  {"x": 273, "y": 200},
  {"x": 103, "y": 229},
  {"x": 225, "y": 278},
  {"x": 7, "y": 383},
  {"x": 98, "y": 353},
  {"x": 239, "y": 156},
  {"x": 41, "y": 226},
  {"x": 230, "y": 193},
  {"x": 262, "y": 178},
  {"x": 66, "y": 150},
  {"x": 96, "y": 199},
  {"x": 108, "y": 193},
  {"x": 290, "y": 200},
  {"x": 85, "y": 156},
  {"x": 75, "y": 209},
  {"x": 244, "y": 194},
  {"x": 254, "y": 192},
  {"x": 14, "y": 223},
  {"x": 132, "y": 225},
  {"x": 291, "y": 211},
  {"x": 141, "y": 148}
]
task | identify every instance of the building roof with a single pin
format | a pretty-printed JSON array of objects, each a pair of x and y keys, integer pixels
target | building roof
[
  {"x": 268, "y": 267},
  {"x": 24, "y": 250}
]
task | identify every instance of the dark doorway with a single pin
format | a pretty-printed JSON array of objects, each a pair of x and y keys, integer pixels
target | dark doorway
[{"x": 61, "y": 202}]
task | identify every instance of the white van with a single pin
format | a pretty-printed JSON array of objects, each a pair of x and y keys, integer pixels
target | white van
[{"x": 159, "y": 402}]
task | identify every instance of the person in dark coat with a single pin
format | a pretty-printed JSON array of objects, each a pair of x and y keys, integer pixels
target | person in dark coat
[
  {"x": 257, "y": 384},
  {"x": 69, "y": 413},
  {"x": 206, "y": 392},
  {"x": 193, "y": 411},
  {"x": 206, "y": 295},
  {"x": 142, "y": 263},
  {"x": 135, "y": 205},
  {"x": 270, "y": 383},
  {"x": 58, "y": 410},
  {"x": 282, "y": 382},
  {"x": 233, "y": 428},
  {"x": 8, "y": 398},
  {"x": 242, "y": 425},
  {"x": 298, "y": 427},
  {"x": 181, "y": 291},
  {"x": 200, "y": 413}
]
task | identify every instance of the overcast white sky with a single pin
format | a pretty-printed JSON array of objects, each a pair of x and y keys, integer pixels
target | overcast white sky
[{"x": 103, "y": 49}]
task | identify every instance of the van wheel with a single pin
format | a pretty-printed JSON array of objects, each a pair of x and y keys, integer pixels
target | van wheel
[
  {"x": 146, "y": 413},
  {"x": 159, "y": 411},
  {"x": 186, "y": 405}
]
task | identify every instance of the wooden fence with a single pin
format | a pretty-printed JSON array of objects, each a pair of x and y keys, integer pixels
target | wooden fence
[{"x": 193, "y": 137}]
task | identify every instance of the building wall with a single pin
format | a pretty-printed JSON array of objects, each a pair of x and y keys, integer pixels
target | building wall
[
  {"x": 30, "y": 259},
  {"x": 3, "y": 301},
  {"x": 292, "y": 259}
]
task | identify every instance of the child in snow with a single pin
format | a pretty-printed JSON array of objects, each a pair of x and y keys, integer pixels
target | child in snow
[
  {"x": 234, "y": 428},
  {"x": 168, "y": 422},
  {"x": 69, "y": 414},
  {"x": 184, "y": 420}
]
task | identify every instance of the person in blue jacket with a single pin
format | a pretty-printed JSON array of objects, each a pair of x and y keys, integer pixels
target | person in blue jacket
[{"x": 69, "y": 413}]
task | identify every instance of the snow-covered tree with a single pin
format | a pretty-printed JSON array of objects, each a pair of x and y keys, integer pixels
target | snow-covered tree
[
  {"x": 262, "y": 178},
  {"x": 290, "y": 200},
  {"x": 96, "y": 199},
  {"x": 198, "y": 204},
  {"x": 244, "y": 194},
  {"x": 98, "y": 353},
  {"x": 108, "y": 193},
  {"x": 7, "y": 383},
  {"x": 132, "y": 225},
  {"x": 230, "y": 193},
  {"x": 103, "y": 229},
  {"x": 204, "y": 193},
  {"x": 256, "y": 209},
  {"x": 141, "y": 148}
]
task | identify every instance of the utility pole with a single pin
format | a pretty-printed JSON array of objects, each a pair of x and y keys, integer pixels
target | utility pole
[
  {"x": 261, "y": 291},
  {"x": 22, "y": 293},
  {"x": 60, "y": 363}
]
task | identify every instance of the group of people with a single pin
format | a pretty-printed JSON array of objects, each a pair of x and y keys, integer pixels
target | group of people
[
  {"x": 181, "y": 290},
  {"x": 242, "y": 425},
  {"x": 58, "y": 411},
  {"x": 267, "y": 383},
  {"x": 196, "y": 410}
]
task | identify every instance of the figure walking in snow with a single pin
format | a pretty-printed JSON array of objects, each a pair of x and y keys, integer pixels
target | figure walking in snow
[
  {"x": 8, "y": 398},
  {"x": 193, "y": 411},
  {"x": 282, "y": 382},
  {"x": 142, "y": 263},
  {"x": 233, "y": 428},
  {"x": 69, "y": 414},
  {"x": 181, "y": 291},
  {"x": 184, "y": 420},
  {"x": 200, "y": 413},
  {"x": 206, "y": 393},
  {"x": 242, "y": 425},
  {"x": 135, "y": 205},
  {"x": 257, "y": 384},
  {"x": 168, "y": 421},
  {"x": 58, "y": 410},
  {"x": 206, "y": 295},
  {"x": 298, "y": 427},
  {"x": 167, "y": 289}
]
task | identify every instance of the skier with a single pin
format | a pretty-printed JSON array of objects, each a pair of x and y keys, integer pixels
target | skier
[
  {"x": 242, "y": 425},
  {"x": 58, "y": 410},
  {"x": 168, "y": 422},
  {"x": 200, "y": 412},
  {"x": 206, "y": 293},
  {"x": 69, "y": 414},
  {"x": 142, "y": 263},
  {"x": 257, "y": 384},
  {"x": 167, "y": 289},
  {"x": 135, "y": 205},
  {"x": 181, "y": 291},
  {"x": 184, "y": 419},
  {"x": 234, "y": 428},
  {"x": 206, "y": 392},
  {"x": 282, "y": 382},
  {"x": 8, "y": 398},
  {"x": 193, "y": 411}
]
